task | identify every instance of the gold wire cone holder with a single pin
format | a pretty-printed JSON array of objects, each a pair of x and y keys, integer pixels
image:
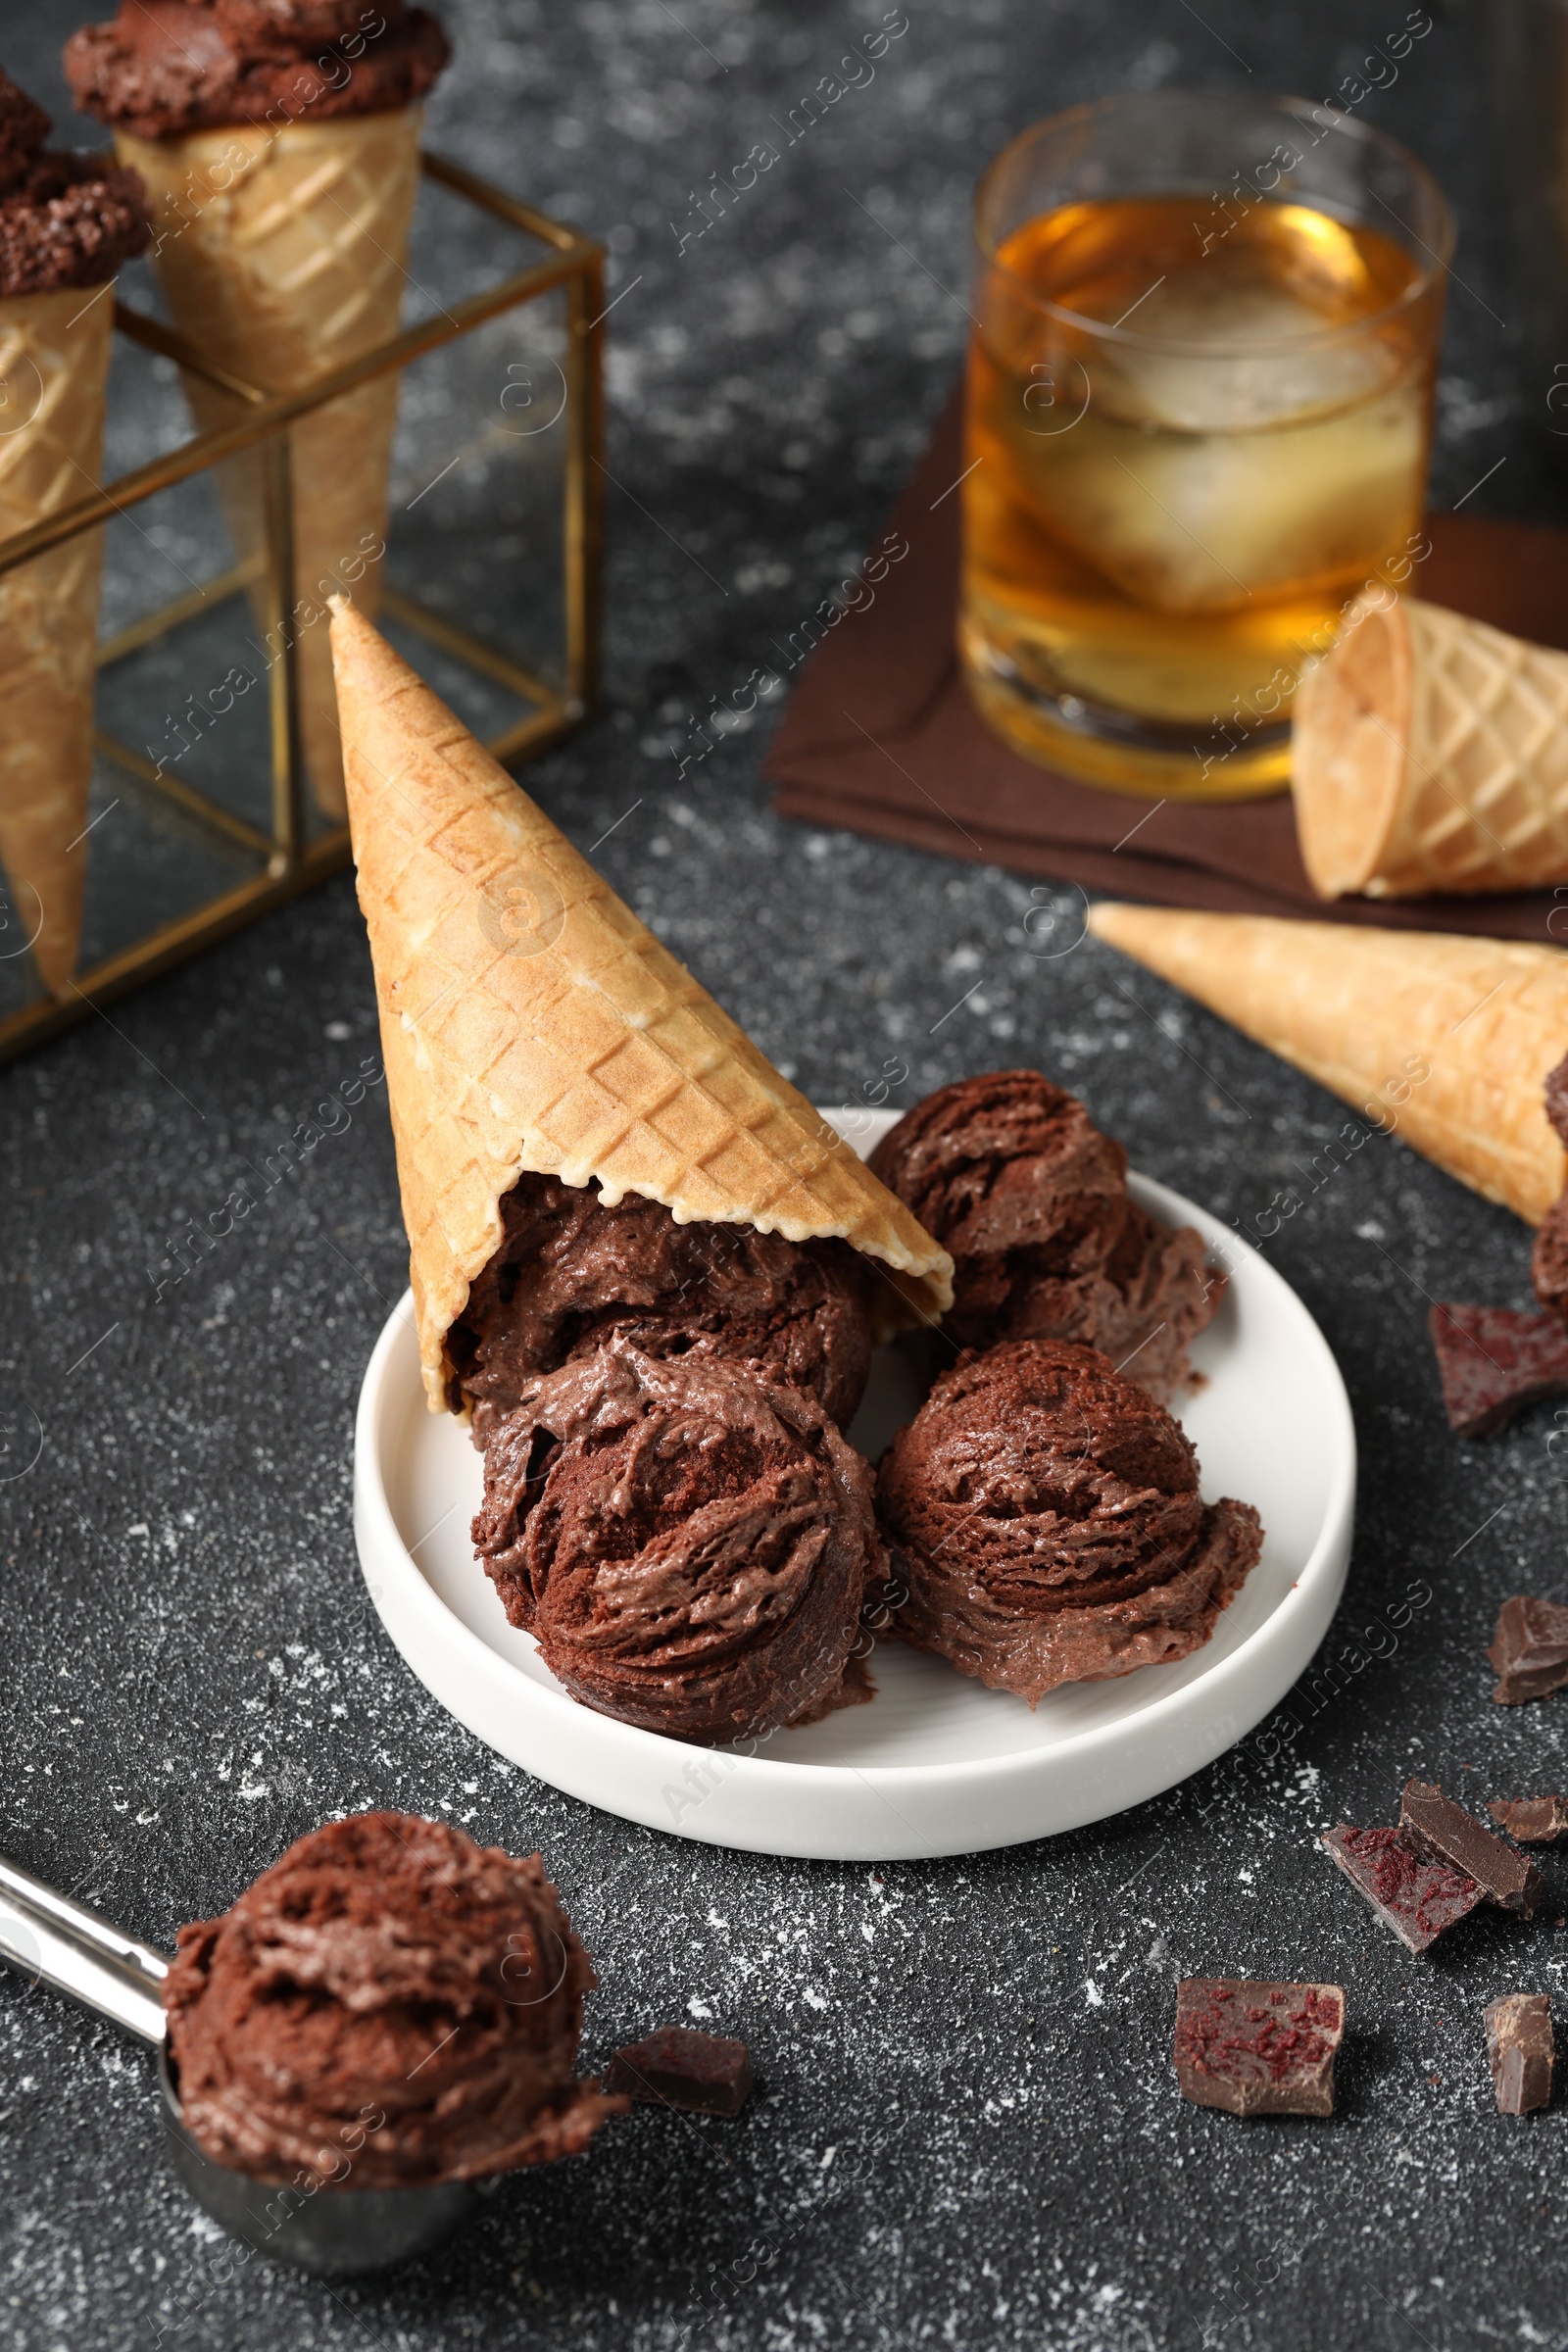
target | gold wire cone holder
[{"x": 289, "y": 857}]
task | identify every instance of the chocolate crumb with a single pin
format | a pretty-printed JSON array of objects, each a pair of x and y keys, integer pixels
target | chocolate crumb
[
  {"x": 1435, "y": 1824},
  {"x": 705, "y": 2074},
  {"x": 1529, "y": 1649},
  {"x": 1493, "y": 1360},
  {"x": 1257, "y": 2048},
  {"x": 1521, "y": 2048}
]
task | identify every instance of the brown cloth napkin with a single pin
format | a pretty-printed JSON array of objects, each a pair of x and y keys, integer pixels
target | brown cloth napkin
[{"x": 881, "y": 737}]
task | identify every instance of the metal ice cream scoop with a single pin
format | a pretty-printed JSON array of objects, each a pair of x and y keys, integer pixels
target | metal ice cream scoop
[{"x": 332, "y": 2230}]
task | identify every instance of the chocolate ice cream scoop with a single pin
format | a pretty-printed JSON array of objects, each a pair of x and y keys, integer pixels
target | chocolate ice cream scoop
[
  {"x": 1046, "y": 1516},
  {"x": 65, "y": 220},
  {"x": 389, "y": 2005},
  {"x": 689, "y": 1545},
  {"x": 1548, "y": 1259},
  {"x": 24, "y": 130},
  {"x": 569, "y": 1270},
  {"x": 1010, "y": 1173},
  {"x": 1556, "y": 1093},
  {"x": 162, "y": 68}
]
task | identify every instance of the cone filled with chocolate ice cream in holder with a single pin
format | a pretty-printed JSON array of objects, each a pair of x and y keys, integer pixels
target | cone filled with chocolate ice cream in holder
[
  {"x": 531, "y": 1022},
  {"x": 1444, "y": 1040},
  {"x": 1430, "y": 754},
  {"x": 67, "y": 224},
  {"x": 54, "y": 362},
  {"x": 282, "y": 254}
]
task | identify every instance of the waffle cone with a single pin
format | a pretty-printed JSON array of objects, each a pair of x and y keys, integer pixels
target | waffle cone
[
  {"x": 281, "y": 255},
  {"x": 530, "y": 1021},
  {"x": 1442, "y": 1040},
  {"x": 1431, "y": 754},
  {"x": 54, "y": 359}
]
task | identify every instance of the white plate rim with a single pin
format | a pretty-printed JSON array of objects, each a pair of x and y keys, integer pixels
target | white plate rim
[{"x": 450, "y": 1659}]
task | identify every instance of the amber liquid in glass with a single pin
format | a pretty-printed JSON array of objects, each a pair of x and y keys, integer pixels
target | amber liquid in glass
[{"x": 1160, "y": 535}]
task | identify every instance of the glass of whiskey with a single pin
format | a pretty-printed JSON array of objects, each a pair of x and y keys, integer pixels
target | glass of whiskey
[{"x": 1198, "y": 419}]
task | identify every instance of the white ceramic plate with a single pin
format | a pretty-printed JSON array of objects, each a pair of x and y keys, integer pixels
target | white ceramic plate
[{"x": 936, "y": 1764}]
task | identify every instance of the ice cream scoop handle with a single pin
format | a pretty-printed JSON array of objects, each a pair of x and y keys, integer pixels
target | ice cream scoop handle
[{"x": 45, "y": 1935}]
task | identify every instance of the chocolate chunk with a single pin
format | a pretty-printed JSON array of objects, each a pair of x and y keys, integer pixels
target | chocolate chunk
[
  {"x": 1495, "y": 1360},
  {"x": 1520, "y": 2047},
  {"x": 1415, "y": 1896},
  {"x": 1529, "y": 1649},
  {"x": 1257, "y": 2049},
  {"x": 1435, "y": 1824},
  {"x": 1531, "y": 1820},
  {"x": 703, "y": 2073}
]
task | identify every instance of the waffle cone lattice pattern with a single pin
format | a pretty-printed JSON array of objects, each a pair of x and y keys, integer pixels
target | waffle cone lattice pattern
[
  {"x": 1439, "y": 1038},
  {"x": 1431, "y": 754},
  {"x": 530, "y": 1021},
  {"x": 54, "y": 359},
  {"x": 283, "y": 256}
]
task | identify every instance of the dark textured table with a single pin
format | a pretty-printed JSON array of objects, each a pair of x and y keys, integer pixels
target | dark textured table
[{"x": 968, "y": 2132}]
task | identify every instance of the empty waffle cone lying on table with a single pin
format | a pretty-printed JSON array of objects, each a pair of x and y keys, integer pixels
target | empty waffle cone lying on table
[
  {"x": 531, "y": 1022},
  {"x": 1430, "y": 754},
  {"x": 281, "y": 258},
  {"x": 54, "y": 354},
  {"x": 1445, "y": 1039}
]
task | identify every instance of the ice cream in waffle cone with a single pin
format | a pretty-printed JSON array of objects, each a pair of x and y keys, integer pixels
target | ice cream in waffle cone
[
  {"x": 282, "y": 174},
  {"x": 66, "y": 225},
  {"x": 1430, "y": 754},
  {"x": 1445, "y": 1039},
  {"x": 530, "y": 1022}
]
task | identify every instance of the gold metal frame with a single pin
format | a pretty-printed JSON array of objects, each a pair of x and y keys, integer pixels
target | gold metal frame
[{"x": 293, "y": 862}]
